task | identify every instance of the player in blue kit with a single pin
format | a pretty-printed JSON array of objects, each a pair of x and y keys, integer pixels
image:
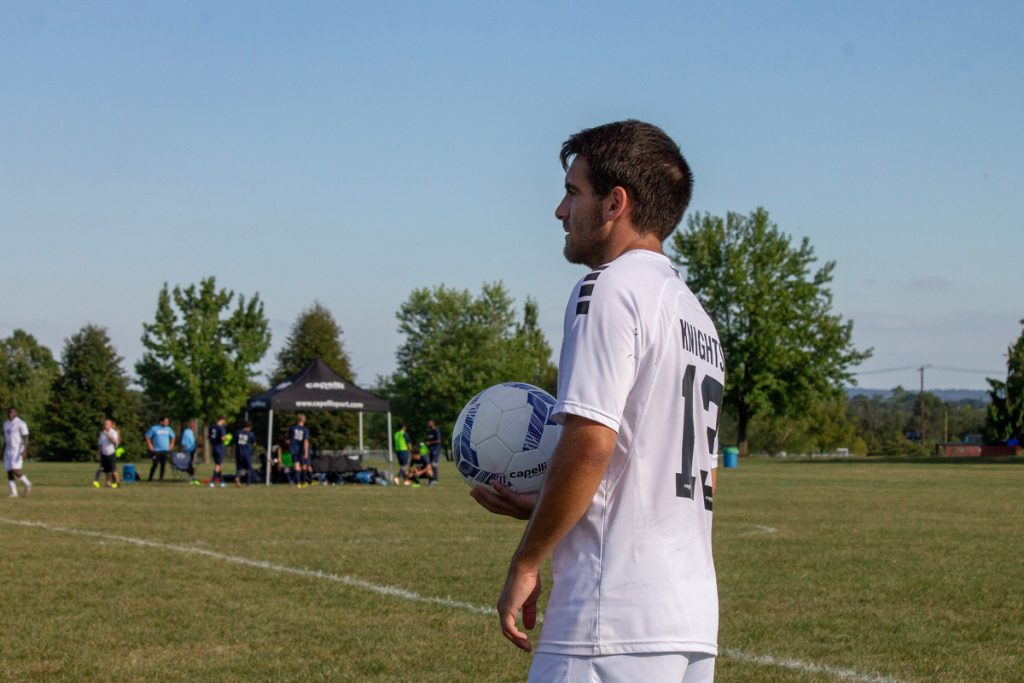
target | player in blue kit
[
  {"x": 245, "y": 440},
  {"x": 298, "y": 438},
  {"x": 217, "y": 433}
]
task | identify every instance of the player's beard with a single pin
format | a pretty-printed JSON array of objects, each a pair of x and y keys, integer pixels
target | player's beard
[{"x": 582, "y": 241}]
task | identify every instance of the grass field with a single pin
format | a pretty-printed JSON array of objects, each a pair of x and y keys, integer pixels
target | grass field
[{"x": 827, "y": 571}]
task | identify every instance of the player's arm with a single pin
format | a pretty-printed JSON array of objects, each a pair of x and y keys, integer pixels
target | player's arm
[
  {"x": 24, "y": 444},
  {"x": 574, "y": 473},
  {"x": 149, "y": 442}
]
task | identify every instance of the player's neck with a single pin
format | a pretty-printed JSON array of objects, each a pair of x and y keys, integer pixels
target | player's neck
[{"x": 623, "y": 238}]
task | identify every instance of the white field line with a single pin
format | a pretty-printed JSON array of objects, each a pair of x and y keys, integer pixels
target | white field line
[
  {"x": 355, "y": 582},
  {"x": 760, "y": 529},
  {"x": 394, "y": 591},
  {"x": 807, "y": 667}
]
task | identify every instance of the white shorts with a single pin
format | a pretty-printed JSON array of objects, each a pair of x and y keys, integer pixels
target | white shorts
[
  {"x": 13, "y": 461},
  {"x": 653, "y": 667}
]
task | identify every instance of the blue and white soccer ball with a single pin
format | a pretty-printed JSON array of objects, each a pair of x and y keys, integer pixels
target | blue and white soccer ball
[{"x": 505, "y": 432}]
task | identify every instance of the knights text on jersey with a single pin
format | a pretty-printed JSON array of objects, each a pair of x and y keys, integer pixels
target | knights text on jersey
[{"x": 640, "y": 356}]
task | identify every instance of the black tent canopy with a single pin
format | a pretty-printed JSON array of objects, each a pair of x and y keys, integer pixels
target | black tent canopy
[{"x": 318, "y": 387}]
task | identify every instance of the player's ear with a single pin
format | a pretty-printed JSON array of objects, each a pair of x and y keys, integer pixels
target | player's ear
[{"x": 616, "y": 204}]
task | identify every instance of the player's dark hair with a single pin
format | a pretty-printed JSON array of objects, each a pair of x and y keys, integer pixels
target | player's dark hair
[
  {"x": 643, "y": 160},
  {"x": 248, "y": 425}
]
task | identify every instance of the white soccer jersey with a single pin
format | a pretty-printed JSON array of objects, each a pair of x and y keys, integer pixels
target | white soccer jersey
[
  {"x": 642, "y": 357},
  {"x": 108, "y": 442},
  {"x": 15, "y": 432}
]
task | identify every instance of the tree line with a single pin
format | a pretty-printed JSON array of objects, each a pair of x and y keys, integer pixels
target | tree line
[{"x": 788, "y": 357}]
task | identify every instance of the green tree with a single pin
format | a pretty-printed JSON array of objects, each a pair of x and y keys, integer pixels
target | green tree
[
  {"x": 315, "y": 334},
  {"x": 91, "y": 387},
  {"x": 27, "y": 370},
  {"x": 1005, "y": 417},
  {"x": 783, "y": 345},
  {"x": 457, "y": 344},
  {"x": 200, "y": 352},
  {"x": 823, "y": 426}
]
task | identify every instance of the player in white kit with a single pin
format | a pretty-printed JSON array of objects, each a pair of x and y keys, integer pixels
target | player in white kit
[
  {"x": 627, "y": 502},
  {"x": 15, "y": 450}
]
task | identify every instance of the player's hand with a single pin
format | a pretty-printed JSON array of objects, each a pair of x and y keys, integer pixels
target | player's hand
[
  {"x": 507, "y": 501},
  {"x": 522, "y": 589}
]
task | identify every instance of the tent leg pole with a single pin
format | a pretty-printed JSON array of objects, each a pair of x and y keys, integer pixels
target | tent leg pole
[
  {"x": 391, "y": 474},
  {"x": 270, "y": 443}
]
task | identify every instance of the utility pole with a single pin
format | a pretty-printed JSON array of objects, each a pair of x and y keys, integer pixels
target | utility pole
[{"x": 921, "y": 400}]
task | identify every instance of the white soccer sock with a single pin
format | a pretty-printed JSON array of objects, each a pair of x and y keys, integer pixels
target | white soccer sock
[
  {"x": 24, "y": 480},
  {"x": 13, "y": 487}
]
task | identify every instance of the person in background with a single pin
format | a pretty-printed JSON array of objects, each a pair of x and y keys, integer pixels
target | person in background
[
  {"x": 298, "y": 435},
  {"x": 419, "y": 467},
  {"x": 160, "y": 441},
  {"x": 434, "y": 446},
  {"x": 401, "y": 439},
  {"x": 188, "y": 447},
  {"x": 106, "y": 452},
  {"x": 218, "y": 449},
  {"x": 244, "y": 442},
  {"x": 15, "y": 450}
]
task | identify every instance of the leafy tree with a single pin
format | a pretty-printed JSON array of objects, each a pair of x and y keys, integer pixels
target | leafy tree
[
  {"x": 457, "y": 344},
  {"x": 315, "y": 334},
  {"x": 822, "y": 427},
  {"x": 783, "y": 345},
  {"x": 1005, "y": 418},
  {"x": 200, "y": 355},
  {"x": 27, "y": 370},
  {"x": 91, "y": 387}
]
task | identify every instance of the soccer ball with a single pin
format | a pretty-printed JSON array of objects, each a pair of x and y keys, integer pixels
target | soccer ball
[{"x": 505, "y": 433}]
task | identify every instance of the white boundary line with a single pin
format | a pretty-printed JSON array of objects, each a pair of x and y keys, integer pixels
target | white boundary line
[{"x": 394, "y": 591}]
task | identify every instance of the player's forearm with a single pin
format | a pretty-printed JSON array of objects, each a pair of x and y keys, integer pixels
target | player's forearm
[{"x": 573, "y": 476}]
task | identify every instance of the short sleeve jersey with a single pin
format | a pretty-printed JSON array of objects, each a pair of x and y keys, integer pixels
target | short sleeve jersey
[
  {"x": 635, "y": 574},
  {"x": 188, "y": 440},
  {"x": 108, "y": 442},
  {"x": 15, "y": 432},
  {"x": 160, "y": 436},
  {"x": 298, "y": 435},
  {"x": 217, "y": 434},
  {"x": 244, "y": 441}
]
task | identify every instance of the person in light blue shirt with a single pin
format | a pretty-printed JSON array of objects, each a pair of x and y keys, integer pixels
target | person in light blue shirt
[
  {"x": 188, "y": 447},
  {"x": 160, "y": 441}
]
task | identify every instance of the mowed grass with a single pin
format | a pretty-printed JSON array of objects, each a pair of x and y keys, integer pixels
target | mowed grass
[{"x": 837, "y": 571}]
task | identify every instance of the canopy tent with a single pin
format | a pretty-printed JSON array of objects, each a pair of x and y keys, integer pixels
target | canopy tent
[{"x": 318, "y": 387}]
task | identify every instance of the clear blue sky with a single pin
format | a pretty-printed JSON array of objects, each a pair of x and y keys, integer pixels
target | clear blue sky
[{"x": 349, "y": 152}]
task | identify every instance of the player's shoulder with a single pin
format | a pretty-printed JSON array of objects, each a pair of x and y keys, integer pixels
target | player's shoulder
[{"x": 629, "y": 279}]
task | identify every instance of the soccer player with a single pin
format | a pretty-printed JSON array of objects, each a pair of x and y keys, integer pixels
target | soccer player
[
  {"x": 401, "y": 439},
  {"x": 188, "y": 447},
  {"x": 160, "y": 441},
  {"x": 626, "y": 503},
  {"x": 298, "y": 438},
  {"x": 244, "y": 442},
  {"x": 106, "y": 451},
  {"x": 434, "y": 446},
  {"x": 419, "y": 466},
  {"x": 218, "y": 449},
  {"x": 15, "y": 450}
]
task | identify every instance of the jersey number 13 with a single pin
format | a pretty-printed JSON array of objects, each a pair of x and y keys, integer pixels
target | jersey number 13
[{"x": 711, "y": 391}]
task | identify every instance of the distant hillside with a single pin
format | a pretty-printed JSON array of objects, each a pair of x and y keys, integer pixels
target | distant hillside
[{"x": 949, "y": 395}]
